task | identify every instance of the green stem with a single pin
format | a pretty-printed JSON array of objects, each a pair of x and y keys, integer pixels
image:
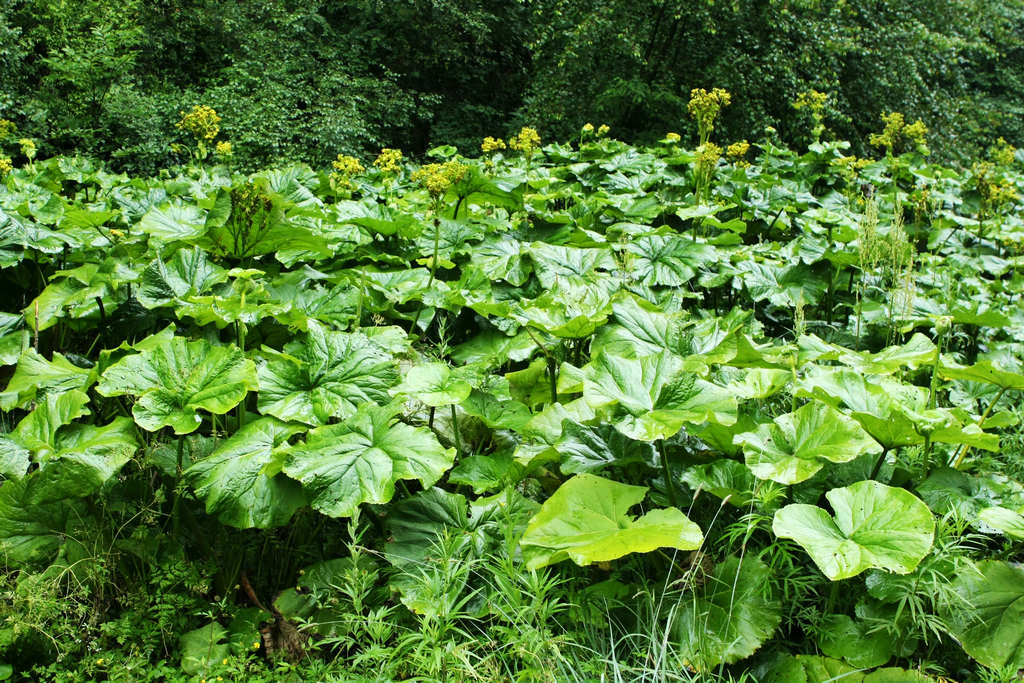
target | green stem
[
  {"x": 455, "y": 431},
  {"x": 878, "y": 465},
  {"x": 958, "y": 460},
  {"x": 552, "y": 365},
  {"x": 433, "y": 269},
  {"x": 670, "y": 484},
  {"x": 176, "y": 504},
  {"x": 240, "y": 337}
]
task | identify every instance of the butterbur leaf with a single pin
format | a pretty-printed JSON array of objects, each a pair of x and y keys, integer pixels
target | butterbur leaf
[
  {"x": 988, "y": 620},
  {"x": 29, "y": 531},
  {"x": 326, "y": 375},
  {"x": 726, "y": 479},
  {"x": 203, "y": 649},
  {"x": 589, "y": 449},
  {"x": 358, "y": 461},
  {"x": 176, "y": 380},
  {"x": 1007, "y": 521},
  {"x": 35, "y": 377},
  {"x": 982, "y": 371},
  {"x": 853, "y": 641},
  {"x": 435, "y": 385},
  {"x": 797, "y": 445},
  {"x": 587, "y": 520},
  {"x": 652, "y": 397},
  {"x": 241, "y": 480},
  {"x": 874, "y": 526},
  {"x": 731, "y": 614},
  {"x": 813, "y": 669}
]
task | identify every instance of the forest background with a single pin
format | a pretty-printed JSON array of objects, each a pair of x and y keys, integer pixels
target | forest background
[{"x": 306, "y": 81}]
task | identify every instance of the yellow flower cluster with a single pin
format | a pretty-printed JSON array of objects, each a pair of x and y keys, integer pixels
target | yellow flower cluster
[
  {"x": 708, "y": 155},
  {"x": 897, "y": 134},
  {"x": 994, "y": 192},
  {"x": 28, "y": 147},
  {"x": 602, "y": 130},
  {"x": 673, "y": 137},
  {"x": 492, "y": 144},
  {"x": 810, "y": 99},
  {"x": 223, "y": 149},
  {"x": 389, "y": 160},
  {"x": 527, "y": 142},
  {"x": 202, "y": 122},
  {"x": 588, "y": 128},
  {"x": 5, "y": 166},
  {"x": 704, "y": 107},
  {"x": 344, "y": 168},
  {"x": 347, "y": 165},
  {"x": 438, "y": 178},
  {"x": 737, "y": 150},
  {"x": 7, "y": 129},
  {"x": 1003, "y": 153}
]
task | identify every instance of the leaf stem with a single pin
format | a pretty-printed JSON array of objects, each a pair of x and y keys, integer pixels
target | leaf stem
[
  {"x": 878, "y": 465},
  {"x": 958, "y": 460},
  {"x": 670, "y": 484},
  {"x": 455, "y": 431}
]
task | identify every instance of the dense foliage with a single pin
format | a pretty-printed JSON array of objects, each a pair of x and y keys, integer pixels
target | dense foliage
[
  {"x": 304, "y": 80},
  {"x": 584, "y": 411}
]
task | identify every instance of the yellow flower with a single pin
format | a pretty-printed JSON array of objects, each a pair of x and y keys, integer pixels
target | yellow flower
[
  {"x": 344, "y": 168},
  {"x": 492, "y": 144},
  {"x": 256, "y": 645},
  {"x": 897, "y": 133},
  {"x": 811, "y": 99},
  {"x": 673, "y": 137},
  {"x": 28, "y": 147},
  {"x": 1003, "y": 153},
  {"x": 588, "y": 128},
  {"x": 388, "y": 161},
  {"x": 704, "y": 107},
  {"x": 708, "y": 155},
  {"x": 737, "y": 149},
  {"x": 438, "y": 178},
  {"x": 5, "y": 166},
  {"x": 347, "y": 165},
  {"x": 99, "y": 662},
  {"x": 526, "y": 142},
  {"x": 202, "y": 122},
  {"x": 602, "y": 131},
  {"x": 7, "y": 129},
  {"x": 223, "y": 149}
]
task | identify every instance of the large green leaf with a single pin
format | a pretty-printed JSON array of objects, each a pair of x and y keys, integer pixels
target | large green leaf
[
  {"x": 587, "y": 520},
  {"x": 589, "y": 449},
  {"x": 982, "y": 371},
  {"x": 173, "y": 222},
  {"x": 435, "y": 384},
  {"x": 188, "y": 273},
  {"x": 326, "y": 375},
  {"x": 358, "y": 461},
  {"x": 30, "y": 531},
  {"x": 795, "y": 446},
  {"x": 669, "y": 260},
  {"x": 874, "y": 526},
  {"x": 988, "y": 620},
  {"x": 651, "y": 398},
  {"x": 241, "y": 480},
  {"x": 35, "y": 378},
  {"x": 74, "y": 460},
  {"x": 731, "y": 614},
  {"x": 175, "y": 380}
]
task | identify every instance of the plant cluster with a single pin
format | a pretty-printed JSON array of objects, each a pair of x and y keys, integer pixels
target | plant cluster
[{"x": 588, "y": 412}]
